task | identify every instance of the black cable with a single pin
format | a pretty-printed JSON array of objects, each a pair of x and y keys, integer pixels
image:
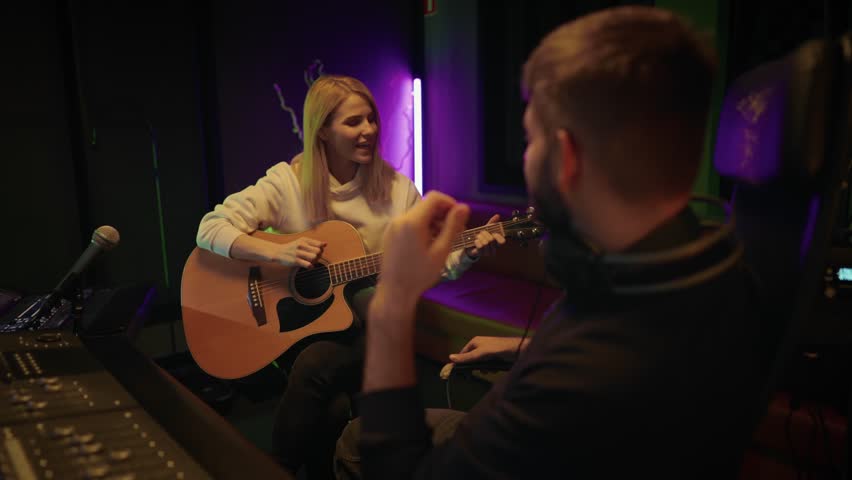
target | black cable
[
  {"x": 812, "y": 461},
  {"x": 829, "y": 451},
  {"x": 529, "y": 320},
  {"x": 530, "y": 317},
  {"x": 789, "y": 436}
]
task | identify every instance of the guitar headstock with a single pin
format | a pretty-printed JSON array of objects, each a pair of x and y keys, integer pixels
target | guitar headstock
[{"x": 523, "y": 227}]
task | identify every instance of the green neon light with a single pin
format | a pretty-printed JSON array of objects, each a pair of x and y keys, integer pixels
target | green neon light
[{"x": 160, "y": 213}]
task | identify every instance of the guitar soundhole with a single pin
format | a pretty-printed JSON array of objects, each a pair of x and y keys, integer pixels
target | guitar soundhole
[{"x": 313, "y": 282}]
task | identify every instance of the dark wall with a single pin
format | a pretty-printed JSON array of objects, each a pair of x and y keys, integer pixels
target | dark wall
[
  {"x": 130, "y": 101},
  {"x": 261, "y": 43},
  {"x": 40, "y": 233},
  {"x": 452, "y": 126},
  {"x": 762, "y": 30},
  {"x": 139, "y": 85},
  {"x": 144, "y": 115},
  {"x": 508, "y": 33}
]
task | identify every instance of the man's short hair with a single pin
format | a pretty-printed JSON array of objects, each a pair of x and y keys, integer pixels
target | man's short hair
[{"x": 633, "y": 86}]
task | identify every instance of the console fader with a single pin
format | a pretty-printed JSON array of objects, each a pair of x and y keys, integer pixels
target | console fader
[{"x": 63, "y": 416}]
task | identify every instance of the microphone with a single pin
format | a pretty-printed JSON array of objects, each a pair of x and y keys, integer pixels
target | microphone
[{"x": 104, "y": 238}]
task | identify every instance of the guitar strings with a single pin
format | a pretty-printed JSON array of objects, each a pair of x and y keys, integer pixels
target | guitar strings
[
  {"x": 358, "y": 265},
  {"x": 323, "y": 271}
]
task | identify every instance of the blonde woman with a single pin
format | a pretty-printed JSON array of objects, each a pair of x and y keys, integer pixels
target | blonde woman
[{"x": 339, "y": 175}]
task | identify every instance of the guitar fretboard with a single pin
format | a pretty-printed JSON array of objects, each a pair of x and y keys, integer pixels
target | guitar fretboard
[{"x": 350, "y": 270}]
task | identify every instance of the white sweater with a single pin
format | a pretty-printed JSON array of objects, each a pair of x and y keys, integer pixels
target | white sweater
[{"x": 276, "y": 201}]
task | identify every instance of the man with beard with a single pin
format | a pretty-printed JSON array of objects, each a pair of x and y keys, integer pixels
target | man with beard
[{"x": 661, "y": 382}]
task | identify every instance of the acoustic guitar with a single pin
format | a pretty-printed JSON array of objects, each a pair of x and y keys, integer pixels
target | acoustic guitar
[{"x": 239, "y": 315}]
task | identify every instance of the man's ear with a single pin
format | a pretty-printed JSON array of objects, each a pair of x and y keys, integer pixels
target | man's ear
[{"x": 569, "y": 161}]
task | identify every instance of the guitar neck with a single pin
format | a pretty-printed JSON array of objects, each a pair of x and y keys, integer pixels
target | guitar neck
[
  {"x": 356, "y": 268},
  {"x": 350, "y": 270}
]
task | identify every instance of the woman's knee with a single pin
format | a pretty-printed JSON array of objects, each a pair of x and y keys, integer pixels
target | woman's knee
[
  {"x": 347, "y": 459},
  {"x": 323, "y": 362}
]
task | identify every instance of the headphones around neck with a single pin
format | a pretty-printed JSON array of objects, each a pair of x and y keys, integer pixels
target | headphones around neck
[{"x": 594, "y": 274}]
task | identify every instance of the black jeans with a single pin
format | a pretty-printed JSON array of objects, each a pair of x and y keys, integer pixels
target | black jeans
[
  {"x": 347, "y": 459},
  {"x": 323, "y": 373}
]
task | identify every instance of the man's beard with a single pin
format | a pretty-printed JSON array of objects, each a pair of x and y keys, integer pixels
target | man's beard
[
  {"x": 569, "y": 257},
  {"x": 548, "y": 203}
]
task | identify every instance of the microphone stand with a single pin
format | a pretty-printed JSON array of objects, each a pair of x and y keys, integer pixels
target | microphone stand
[
  {"x": 76, "y": 297},
  {"x": 71, "y": 289},
  {"x": 77, "y": 308}
]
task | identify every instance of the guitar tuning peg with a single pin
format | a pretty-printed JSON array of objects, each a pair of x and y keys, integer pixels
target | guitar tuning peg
[
  {"x": 530, "y": 210},
  {"x": 515, "y": 213}
]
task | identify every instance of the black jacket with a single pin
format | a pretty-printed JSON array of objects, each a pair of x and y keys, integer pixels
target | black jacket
[{"x": 656, "y": 386}]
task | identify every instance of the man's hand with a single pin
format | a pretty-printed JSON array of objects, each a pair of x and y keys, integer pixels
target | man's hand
[
  {"x": 486, "y": 242},
  {"x": 416, "y": 244},
  {"x": 489, "y": 348}
]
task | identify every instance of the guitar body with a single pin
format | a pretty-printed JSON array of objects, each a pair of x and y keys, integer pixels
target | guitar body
[{"x": 239, "y": 316}]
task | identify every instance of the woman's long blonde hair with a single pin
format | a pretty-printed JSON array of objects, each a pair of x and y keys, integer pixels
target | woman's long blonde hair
[{"x": 323, "y": 98}]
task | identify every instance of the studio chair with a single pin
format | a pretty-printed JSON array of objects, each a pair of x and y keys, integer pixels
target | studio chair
[{"x": 782, "y": 143}]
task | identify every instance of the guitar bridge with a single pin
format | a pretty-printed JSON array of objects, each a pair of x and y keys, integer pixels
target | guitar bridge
[{"x": 255, "y": 297}]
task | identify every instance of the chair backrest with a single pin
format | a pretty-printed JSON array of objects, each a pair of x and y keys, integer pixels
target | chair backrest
[{"x": 782, "y": 140}]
